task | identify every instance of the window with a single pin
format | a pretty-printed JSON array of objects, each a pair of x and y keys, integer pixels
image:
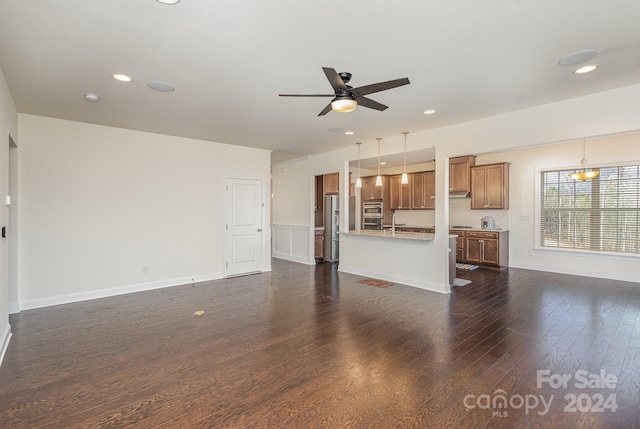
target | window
[{"x": 600, "y": 215}]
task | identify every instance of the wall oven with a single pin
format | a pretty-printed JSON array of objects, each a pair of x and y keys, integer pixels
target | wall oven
[{"x": 372, "y": 215}]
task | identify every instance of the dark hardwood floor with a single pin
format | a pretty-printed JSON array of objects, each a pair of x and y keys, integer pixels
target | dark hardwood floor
[{"x": 308, "y": 347}]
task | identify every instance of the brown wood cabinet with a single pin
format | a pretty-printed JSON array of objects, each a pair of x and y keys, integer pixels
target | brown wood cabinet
[
  {"x": 490, "y": 186},
  {"x": 370, "y": 191},
  {"x": 319, "y": 245},
  {"x": 460, "y": 244},
  {"x": 399, "y": 194},
  {"x": 423, "y": 190},
  {"x": 332, "y": 184},
  {"x": 459, "y": 176},
  {"x": 487, "y": 248}
]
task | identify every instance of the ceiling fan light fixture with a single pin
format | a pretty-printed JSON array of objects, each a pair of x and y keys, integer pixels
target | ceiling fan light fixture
[{"x": 343, "y": 104}]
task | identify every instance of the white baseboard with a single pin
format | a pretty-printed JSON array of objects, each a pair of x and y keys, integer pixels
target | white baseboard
[
  {"x": 4, "y": 342},
  {"x": 104, "y": 293},
  {"x": 627, "y": 277}
]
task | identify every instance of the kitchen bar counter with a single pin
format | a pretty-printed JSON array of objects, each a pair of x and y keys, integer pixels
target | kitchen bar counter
[
  {"x": 389, "y": 234},
  {"x": 404, "y": 257}
]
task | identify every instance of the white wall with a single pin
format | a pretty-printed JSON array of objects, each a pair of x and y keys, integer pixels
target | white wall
[
  {"x": 525, "y": 165},
  {"x": 8, "y": 127},
  {"x": 604, "y": 113},
  {"x": 97, "y": 203}
]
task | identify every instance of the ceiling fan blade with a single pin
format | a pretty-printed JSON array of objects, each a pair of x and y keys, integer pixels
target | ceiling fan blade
[
  {"x": 367, "y": 102},
  {"x": 334, "y": 79},
  {"x": 325, "y": 110},
  {"x": 380, "y": 86},
  {"x": 307, "y": 95}
]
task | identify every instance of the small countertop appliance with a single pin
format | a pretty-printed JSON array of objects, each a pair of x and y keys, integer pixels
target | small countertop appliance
[{"x": 488, "y": 222}]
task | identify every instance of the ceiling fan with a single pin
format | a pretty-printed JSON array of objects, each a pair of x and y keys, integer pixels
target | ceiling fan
[{"x": 347, "y": 98}]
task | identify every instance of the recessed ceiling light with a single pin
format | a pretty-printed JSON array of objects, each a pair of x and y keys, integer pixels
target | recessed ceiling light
[
  {"x": 122, "y": 77},
  {"x": 586, "y": 69},
  {"x": 169, "y": 1},
  {"x": 578, "y": 57},
  {"x": 349, "y": 133},
  {"x": 383, "y": 163},
  {"x": 90, "y": 96},
  {"x": 429, "y": 112},
  {"x": 160, "y": 86}
]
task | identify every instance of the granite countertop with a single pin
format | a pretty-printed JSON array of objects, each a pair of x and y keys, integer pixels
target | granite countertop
[
  {"x": 450, "y": 228},
  {"x": 422, "y": 236}
]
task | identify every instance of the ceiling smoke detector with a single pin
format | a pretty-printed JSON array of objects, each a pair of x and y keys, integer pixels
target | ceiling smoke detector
[
  {"x": 577, "y": 57},
  {"x": 160, "y": 86}
]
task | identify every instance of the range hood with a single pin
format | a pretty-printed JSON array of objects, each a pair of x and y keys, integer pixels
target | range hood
[{"x": 463, "y": 194}]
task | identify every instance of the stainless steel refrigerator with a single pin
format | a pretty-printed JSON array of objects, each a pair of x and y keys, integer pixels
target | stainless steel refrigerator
[{"x": 331, "y": 227}]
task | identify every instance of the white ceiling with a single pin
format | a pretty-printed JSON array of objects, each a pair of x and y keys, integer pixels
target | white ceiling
[{"x": 229, "y": 60}]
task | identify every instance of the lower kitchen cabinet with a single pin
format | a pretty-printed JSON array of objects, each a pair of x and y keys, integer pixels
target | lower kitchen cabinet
[
  {"x": 460, "y": 254},
  {"x": 487, "y": 248},
  {"x": 319, "y": 245}
]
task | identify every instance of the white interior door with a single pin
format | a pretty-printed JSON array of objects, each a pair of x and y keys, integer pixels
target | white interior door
[{"x": 244, "y": 249}]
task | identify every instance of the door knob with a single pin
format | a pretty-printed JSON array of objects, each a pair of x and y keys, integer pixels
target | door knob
[{"x": 259, "y": 229}]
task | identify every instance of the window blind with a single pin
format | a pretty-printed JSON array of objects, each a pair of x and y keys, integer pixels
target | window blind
[{"x": 600, "y": 215}]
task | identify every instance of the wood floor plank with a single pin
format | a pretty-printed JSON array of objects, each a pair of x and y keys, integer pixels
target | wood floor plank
[{"x": 307, "y": 346}]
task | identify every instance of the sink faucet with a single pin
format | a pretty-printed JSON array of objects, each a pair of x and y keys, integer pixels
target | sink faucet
[{"x": 393, "y": 223}]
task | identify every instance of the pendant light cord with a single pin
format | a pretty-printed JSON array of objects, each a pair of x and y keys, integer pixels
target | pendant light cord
[
  {"x": 405, "y": 151},
  {"x": 379, "y": 138}
]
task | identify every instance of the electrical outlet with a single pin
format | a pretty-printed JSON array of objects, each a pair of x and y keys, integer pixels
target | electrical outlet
[{"x": 145, "y": 269}]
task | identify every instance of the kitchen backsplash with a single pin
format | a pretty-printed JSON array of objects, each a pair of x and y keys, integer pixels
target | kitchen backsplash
[
  {"x": 460, "y": 213},
  {"x": 424, "y": 218}
]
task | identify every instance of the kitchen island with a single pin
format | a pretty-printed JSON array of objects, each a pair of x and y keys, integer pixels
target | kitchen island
[{"x": 401, "y": 257}]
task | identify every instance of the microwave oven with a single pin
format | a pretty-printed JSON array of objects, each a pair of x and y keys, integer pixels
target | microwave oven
[{"x": 372, "y": 210}]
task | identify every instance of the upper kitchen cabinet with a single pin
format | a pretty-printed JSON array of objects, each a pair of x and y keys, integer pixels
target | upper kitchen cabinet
[
  {"x": 459, "y": 182},
  {"x": 423, "y": 190},
  {"x": 490, "y": 186},
  {"x": 331, "y": 184},
  {"x": 370, "y": 191},
  {"x": 399, "y": 194}
]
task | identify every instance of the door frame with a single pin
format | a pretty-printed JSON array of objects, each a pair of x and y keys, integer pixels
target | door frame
[{"x": 226, "y": 213}]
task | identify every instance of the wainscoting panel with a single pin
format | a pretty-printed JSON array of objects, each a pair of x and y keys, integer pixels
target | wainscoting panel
[{"x": 291, "y": 242}]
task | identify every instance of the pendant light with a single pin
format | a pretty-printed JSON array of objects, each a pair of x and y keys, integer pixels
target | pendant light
[
  {"x": 405, "y": 179},
  {"x": 584, "y": 174},
  {"x": 379, "y": 177},
  {"x": 358, "y": 180}
]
